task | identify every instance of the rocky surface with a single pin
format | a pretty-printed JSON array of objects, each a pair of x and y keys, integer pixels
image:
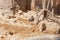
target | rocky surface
[
  {"x": 31, "y": 25},
  {"x": 19, "y": 27}
]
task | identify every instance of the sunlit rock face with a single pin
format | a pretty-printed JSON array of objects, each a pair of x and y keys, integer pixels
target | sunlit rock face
[{"x": 5, "y": 6}]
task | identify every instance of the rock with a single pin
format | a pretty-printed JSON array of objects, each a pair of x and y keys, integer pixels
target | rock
[
  {"x": 31, "y": 19},
  {"x": 43, "y": 27}
]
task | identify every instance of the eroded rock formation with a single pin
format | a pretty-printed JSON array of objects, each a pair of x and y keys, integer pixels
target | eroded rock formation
[{"x": 29, "y": 20}]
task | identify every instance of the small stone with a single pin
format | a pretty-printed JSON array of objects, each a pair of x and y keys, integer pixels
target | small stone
[
  {"x": 11, "y": 33},
  {"x": 43, "y": 27},
  {"x": 31, "y": 19},
  {"x": 2, "y": 37},
  {"x": 59, "y": 31}
]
